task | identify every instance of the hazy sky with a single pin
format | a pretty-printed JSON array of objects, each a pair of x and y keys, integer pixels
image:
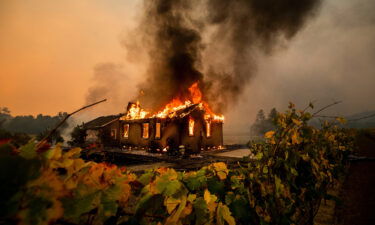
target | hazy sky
[
  {"x": 331, "y": 59},
  {"x": 49, "y": 49},
  {"x": 53, "y": 53}
]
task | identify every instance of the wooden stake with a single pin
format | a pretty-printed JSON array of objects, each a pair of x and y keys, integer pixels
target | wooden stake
[{"x": 44, "y": 140}]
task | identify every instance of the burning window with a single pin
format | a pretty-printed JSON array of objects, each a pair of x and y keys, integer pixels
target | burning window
[
  {"x": 208, "y": 129},
  {"x": 158, "y": 131},
  {"x": 191, "y": 127},
  {"x": 145, "y": 130},
  {"x": 113, "y": 133},
  {"x": 126, "y": 130}
]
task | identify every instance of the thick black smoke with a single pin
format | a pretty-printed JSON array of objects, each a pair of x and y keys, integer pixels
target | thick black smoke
[
  {"x": 217, "y": 38},
  {"x": 174, "y": 50}
]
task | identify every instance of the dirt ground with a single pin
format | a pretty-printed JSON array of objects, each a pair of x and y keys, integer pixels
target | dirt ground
[
  {"x": 358, "y": 190},
  {"x": 240, "y": 153}
]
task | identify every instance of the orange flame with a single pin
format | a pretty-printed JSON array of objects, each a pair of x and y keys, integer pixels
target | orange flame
[
  {"x": 195, "y": 92},
  {"x": 191, "y": 126},
  {"x": 136, "y": 112}
]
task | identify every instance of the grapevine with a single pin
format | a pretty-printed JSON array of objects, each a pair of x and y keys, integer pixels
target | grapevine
[{"x": 281, "y": 182}]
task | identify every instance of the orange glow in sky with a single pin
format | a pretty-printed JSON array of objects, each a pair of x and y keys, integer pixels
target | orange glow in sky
[{"x": 48, "y": 50}]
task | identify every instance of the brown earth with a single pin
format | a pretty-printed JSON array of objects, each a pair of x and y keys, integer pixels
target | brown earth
[{"x": 358, "y": 190}]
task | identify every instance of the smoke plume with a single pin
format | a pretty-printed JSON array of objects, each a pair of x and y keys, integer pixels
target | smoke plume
[
  {"x": 112, "y": 83},
  {"x": 214, "y": 43}
]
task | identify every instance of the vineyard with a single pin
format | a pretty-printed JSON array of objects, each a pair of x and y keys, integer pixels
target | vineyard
[{"x": 282, "y": 182}]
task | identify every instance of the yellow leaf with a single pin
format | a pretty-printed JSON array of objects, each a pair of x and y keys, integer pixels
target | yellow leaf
[
  {"x": 174, "y": 218},
  {"x": 171, "y": 203},
  {"x": 55, "y": 153},
  {"x": 162, "y": 170},
  {"x": 297, "y": 122},
  {"x": 56, "y": 211},
  {"x": 191, "y": 197},
  {"x": 341, "y": 120},
  {"x": 73, "y": 152},
  {"x": 262, "y": 213},
  {"x": 187, "y": 210},
  {"x": 295, "y": 138},
  {"x": 207, "y": 196},
  {"x": 305, "y": 157},
  {"x": 210, "y": 200},
  {"x": 221, "y": 169},
  {"x": 223, "y": 214},
  {"x": 269, "y": 134},
  {"x": 126, "y": 192}
]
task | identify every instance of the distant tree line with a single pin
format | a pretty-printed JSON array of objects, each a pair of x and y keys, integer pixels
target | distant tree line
[
  {"x": 13, "y": 127},
  {"x": 263, "y": 123},
  {"x": 28, "y": 124}
]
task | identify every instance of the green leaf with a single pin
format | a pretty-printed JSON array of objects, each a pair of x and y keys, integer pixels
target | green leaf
[
  {"x": 75, "y": 206},
  {"x": 28, "y": 151},
  {"x": 143, "y": 202},
  {"x": 195, "y": 180},
  {"x": 216, "y": 186},
  {"x": 201, "y": 211},
  {"x": 279, "y": 185},
  {"x": 107, "y": 208},
  {"x": 240, "y": 209},
  {"x": 172, "y": 188},
  {"x": 223, "y": 214},
  {"x": 259, "y": 156},
  {"x": 15, "y": 172},
  {"x": 294, "y": 171},
  {"x": 146, "y": 178},
  {"x": 265, "y": 169},
  {"x": 229, "y": 198}
]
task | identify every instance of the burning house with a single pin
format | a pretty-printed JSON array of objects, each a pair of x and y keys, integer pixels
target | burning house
[
  {"x": 187, "y": 55},
  {"x": 190, "y": 124}
]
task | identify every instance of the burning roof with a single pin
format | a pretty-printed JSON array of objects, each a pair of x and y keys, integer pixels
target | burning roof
[{"x": 177, "y": 107}]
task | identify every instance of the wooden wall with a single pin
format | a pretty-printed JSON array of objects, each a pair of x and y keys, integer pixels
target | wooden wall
[{"x": 171, "y": 129}]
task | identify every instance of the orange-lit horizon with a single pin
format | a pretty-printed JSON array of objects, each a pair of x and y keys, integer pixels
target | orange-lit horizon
[{"x": 48, "y": 51}]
